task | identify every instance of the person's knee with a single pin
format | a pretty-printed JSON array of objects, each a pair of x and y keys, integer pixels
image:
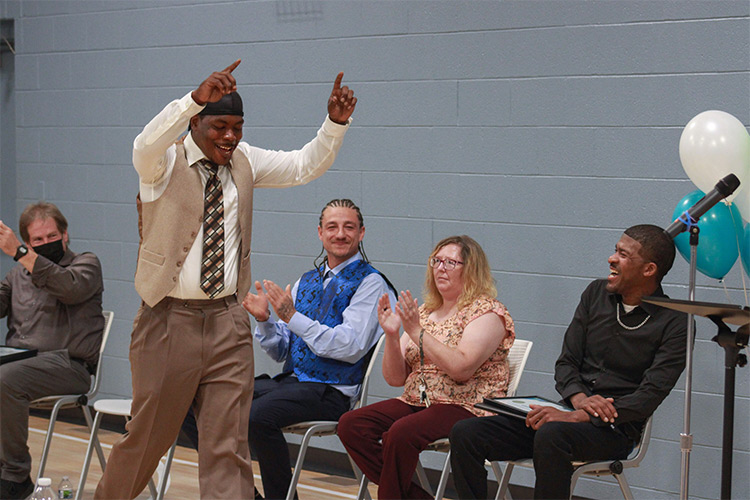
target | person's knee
[
  {"x": 461, "y": 434},
  {"x": 403, "y": 435},
  {"x": 261, "y": 425},
  {"x": 551, "y": 440},
  {"x": 10, "y": 385},
  {"x": 346, "y": 428}
]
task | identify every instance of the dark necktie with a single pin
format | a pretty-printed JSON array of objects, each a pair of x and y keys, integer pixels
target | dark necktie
[{"x": 212, "y": 265}]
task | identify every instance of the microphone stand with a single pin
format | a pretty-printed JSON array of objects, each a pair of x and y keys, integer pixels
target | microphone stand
[
  {"x": 732, "y": 343},
  {"x": 686, "y": 439}
]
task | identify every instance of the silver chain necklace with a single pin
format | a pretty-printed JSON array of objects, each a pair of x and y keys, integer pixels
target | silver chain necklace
[{"x": 626, "y": 326}]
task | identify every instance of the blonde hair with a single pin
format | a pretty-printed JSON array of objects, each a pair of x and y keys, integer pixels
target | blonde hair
[{"x": 477, "y": 277}]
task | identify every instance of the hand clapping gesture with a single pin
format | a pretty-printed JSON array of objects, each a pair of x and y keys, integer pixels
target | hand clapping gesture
[
  {"x": 408, "y": 310},
  {"x": 257, "y": 305},
  {"x": 388, "y": 319},
  {"x": 341, "y": 103},
  {"x": 406, "y": 313},
  {"x": 280, "y": 299},
  {"x": 8, "y": 240}
]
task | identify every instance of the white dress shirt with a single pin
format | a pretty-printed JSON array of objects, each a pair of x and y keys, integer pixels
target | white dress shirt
[{"x": 154, "y": 156}]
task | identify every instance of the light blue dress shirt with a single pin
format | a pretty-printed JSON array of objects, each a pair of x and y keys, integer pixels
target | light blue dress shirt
[{"x": 349, "y": 341}]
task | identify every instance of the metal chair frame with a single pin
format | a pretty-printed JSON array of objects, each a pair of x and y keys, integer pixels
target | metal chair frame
[
  {"x": 64, "y": 401},
  {"x": 322, "y": 428},
  {"x": 615, "y": 468},
  {"x": 121, "y": 407}
]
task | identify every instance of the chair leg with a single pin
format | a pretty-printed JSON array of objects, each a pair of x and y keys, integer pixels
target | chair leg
[
  {"x": 363, "y": 493},
  {"x": 499, "y": 478},
  {"x": 97, "y": 444},
  {"x": 164, "y": 478},
  {"x": 89, "y": 450},
  {"x": 444, "y": 477},
  {"x": 624, "y": 486},
  {"x": 422, "y": 477},
  {"x": 48, "y": 440},
  {"x": 361, "y": 479},
  {"x": 298, "y": 464},
  {"x": 502, "y": 491}
]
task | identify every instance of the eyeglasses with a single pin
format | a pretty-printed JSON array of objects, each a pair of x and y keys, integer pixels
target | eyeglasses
[{"x": 448, "y": 264}]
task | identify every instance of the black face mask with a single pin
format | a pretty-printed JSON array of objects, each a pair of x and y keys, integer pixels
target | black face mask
[{"x": 53, "y": 250}]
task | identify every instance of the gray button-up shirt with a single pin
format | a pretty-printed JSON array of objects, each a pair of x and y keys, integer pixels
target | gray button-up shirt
[{"x": 57, "y": 306}]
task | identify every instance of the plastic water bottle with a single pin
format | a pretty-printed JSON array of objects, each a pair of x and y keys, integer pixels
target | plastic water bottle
[
  {"x": 65, "y": 489},
  {"x": 43, "y": 490}
]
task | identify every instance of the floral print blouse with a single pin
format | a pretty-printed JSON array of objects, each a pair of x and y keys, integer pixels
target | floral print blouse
[{"x": 489, "y": 381}]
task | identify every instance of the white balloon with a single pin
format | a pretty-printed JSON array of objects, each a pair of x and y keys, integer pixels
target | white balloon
[
  {"x": 742, "y": 200},
  {"x": 713, "y": 145}
]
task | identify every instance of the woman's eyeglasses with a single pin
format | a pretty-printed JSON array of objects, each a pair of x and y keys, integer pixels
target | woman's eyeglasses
[{"x": 448, "y": 264}]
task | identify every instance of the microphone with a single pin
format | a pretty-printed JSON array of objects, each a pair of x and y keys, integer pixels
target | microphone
[{"x": 723, "y": 188}]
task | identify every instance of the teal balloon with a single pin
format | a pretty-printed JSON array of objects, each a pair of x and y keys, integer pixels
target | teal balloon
[
  {"x": 745, "y": 249},
  {"x": 720, "y": 229}
]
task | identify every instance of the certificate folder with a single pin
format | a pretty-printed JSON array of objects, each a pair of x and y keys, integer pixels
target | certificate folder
[
  {"x": 8, "y": 354},
  {"x": 518, "y": 406}
]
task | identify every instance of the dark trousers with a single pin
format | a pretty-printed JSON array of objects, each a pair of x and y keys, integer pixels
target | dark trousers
[
  {"x": 22, "y": 381},
  {"x": 553, "y": 447},
  {"x": 278, "y": 402},
  {"x": 384, "y": 439}
]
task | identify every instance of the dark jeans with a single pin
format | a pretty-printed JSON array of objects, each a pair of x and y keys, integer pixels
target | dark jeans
[
  {"x": 278, "y": 402},
  {"x": 553, "y": 447}
]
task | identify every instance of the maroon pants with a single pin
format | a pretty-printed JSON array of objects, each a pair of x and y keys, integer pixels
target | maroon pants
[{"x": 384, "y": 439}]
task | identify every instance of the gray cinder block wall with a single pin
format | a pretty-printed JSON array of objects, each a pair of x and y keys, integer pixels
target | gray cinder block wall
[{"x": 541, "y": 128}]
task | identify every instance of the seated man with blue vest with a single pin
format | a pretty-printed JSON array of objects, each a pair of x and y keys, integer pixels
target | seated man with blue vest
[{"x": 327, "y": 328}]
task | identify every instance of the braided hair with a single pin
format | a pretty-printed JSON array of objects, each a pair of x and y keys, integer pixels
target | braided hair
[{"x": 339, "y": 203}]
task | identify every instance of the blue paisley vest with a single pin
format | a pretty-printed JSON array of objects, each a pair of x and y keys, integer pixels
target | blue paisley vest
[{"x": 327, "y": 307}]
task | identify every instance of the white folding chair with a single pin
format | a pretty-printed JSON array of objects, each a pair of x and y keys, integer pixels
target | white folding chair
[
  {"x": 64, "y": 401},
  {"x": 122, "y": 407},
  {"x": 614, "y": 467},
  {"x": 327, "y": 427},
  {"x": 517, "y": 357}
]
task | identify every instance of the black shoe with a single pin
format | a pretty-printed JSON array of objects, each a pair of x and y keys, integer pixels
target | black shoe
[{"x": 10, "y": 490}]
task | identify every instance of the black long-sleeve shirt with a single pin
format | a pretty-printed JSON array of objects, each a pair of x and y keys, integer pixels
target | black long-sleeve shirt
[{"x": 637, "y": 367}]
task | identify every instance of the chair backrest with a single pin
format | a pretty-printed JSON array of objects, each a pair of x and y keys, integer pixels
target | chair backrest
[
  {"x": 639, "y": 452},
  {"x": 109, "y": 317},
  {"x": 517, "y": 357},
  {"x": 366, "y": 380}
]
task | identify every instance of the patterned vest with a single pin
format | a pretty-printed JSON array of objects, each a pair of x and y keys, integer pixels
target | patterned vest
[{"x": 327, "y": 307}]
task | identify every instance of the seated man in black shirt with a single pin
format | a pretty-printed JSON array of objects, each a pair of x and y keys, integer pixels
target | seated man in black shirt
[{"x": 620, "y": 358}]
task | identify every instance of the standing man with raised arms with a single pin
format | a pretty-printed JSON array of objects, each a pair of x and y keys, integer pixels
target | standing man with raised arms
[{"x": 191, "y": 337}]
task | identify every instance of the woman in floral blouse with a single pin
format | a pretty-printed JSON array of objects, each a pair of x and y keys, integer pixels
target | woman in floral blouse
[{"x": 453, "y": 354}]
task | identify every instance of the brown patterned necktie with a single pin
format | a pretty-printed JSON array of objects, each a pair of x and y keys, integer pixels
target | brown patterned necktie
[{"x": 212, "y": 265}]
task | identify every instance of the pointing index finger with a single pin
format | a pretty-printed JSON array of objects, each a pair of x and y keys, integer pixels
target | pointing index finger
[
  {"x": 337, "y": 83},
  {"x": 232, "y": 66}
]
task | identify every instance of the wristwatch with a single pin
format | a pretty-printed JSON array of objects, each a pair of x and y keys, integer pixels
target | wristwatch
[{"x": 21, "y": 252}]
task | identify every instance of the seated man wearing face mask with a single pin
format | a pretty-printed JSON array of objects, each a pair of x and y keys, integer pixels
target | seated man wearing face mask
[{"x": 53, "y": 302}]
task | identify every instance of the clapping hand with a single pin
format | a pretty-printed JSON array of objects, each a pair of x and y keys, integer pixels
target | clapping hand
[
  {"x": 281, "y": 300},
  {"x": 389, "y": 320},
  {"x": 8, "y": 240},
  {"x": 257, "y": 305},
  {"x": 408, "y": 310}
]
